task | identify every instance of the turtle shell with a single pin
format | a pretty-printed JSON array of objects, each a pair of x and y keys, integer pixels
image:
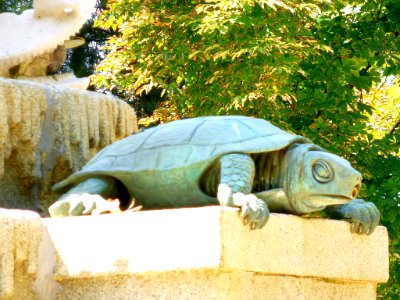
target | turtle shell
[{"x": 183, "y": 143}]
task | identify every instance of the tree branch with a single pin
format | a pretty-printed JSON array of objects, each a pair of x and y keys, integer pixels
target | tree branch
[{"x": 394, "y": 127}]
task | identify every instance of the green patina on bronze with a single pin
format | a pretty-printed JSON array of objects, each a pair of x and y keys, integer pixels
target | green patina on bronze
[{"x": 230, "y": 160}]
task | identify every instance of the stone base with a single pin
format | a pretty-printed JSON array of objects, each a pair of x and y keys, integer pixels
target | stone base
[
  {"x": 214, "y": 285},
  {"x": 191, "y": 253}
]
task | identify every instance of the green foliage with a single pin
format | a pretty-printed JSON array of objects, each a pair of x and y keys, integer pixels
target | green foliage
[
  {"x": 82, "y": 60},
  {"x": 223, "y": 54},
  {"x": 15, "y": 6}
]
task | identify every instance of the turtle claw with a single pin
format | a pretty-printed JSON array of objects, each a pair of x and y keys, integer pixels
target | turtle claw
[
  {"x": 77, "y": 205},
  {"x": 363, "y": 215},
  {"x": 254, "y": 211}
]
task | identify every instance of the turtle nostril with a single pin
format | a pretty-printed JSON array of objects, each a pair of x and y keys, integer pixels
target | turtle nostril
[{"x": 355, "y": 191}]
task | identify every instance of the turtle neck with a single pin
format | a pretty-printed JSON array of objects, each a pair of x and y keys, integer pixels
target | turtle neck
[{"x": 270, "y": 170}]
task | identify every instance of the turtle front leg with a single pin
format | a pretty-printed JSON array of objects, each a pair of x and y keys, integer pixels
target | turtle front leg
[
  {"x": 234, "y": 189},
  {"x": 83, "y": 198},
  {"x": 363, "y": 215}
]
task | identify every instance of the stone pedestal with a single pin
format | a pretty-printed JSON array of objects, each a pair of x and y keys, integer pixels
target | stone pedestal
[{"x": 191, "y": 253}]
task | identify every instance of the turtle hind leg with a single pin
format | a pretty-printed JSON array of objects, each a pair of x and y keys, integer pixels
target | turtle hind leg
[
  {"x": 103, "y": 186},
  {"x": 234, "y": 189},
  {"x": 84, "y": 197}
]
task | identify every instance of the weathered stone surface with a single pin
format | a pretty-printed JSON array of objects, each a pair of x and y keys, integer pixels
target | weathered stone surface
[
  {"x": 20, "y": 235},
  {"x": 307, "y": 247},
  {"x": 220, "y": 285},
  {"x": 213, "y": 237},
  {"x": 48, "y": 132},
  {"x": 193, "y": 253},
  {"x": 67, "y": 80}
]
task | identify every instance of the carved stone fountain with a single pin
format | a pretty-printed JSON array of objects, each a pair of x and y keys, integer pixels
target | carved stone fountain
[{"x": 49, "y": 126}]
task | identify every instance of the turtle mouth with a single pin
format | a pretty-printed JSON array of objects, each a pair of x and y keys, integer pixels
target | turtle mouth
[
  {"x": 326, "y": 199},
  {"x": 318, "y": 202}
]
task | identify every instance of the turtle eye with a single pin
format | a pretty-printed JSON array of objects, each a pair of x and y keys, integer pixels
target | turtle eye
[{"x": 322, "y": 171}]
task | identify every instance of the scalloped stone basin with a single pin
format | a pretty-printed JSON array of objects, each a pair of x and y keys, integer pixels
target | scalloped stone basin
[{"x": 47, "y": 132}]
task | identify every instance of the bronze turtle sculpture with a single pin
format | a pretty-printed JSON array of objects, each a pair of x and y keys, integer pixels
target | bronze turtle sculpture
[{"x": 227, "y": 160}]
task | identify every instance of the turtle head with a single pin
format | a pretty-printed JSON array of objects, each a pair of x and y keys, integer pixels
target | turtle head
[{"x": 317, "y": 179}]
